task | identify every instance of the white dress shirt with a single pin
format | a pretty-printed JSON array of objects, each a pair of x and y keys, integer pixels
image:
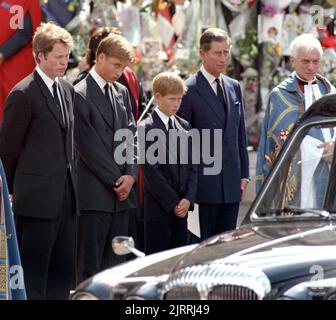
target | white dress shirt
[
  {"x": 165, "y": 118},
  {"x": 100, "y": 81},
  {"x": 211, "y": 79},
  {"x": 49, "y": 83}
]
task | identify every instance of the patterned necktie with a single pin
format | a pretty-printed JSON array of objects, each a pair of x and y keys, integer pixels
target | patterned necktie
[
  {"x": 58, "y": 102},
  {"x": 220, "y": 94}
]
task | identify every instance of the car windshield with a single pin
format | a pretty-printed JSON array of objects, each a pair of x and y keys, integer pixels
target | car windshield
[{"x": 299, "y": 186}]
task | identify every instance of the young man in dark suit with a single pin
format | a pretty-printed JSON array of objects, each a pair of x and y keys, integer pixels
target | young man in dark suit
[
  {"x": 36, "y": 147},
  {"x": 105, "y": 186},
  {"x": 215, "y": 102},
  {"x": 169, "y": 184}
]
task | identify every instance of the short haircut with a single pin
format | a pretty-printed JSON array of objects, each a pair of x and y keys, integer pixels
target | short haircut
[
  {"x": 213, "y": 34},
  {"x": 98, "y": 35},
  {"x": 168, "y": 83},
  {"x": 46, "y": 35},
  {"x": 305, "y": 41},
  {"x": 118, "y": 47}
]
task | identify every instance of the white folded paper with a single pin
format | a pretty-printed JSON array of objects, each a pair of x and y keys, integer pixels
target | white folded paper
[{"x": 193, "y": 221}]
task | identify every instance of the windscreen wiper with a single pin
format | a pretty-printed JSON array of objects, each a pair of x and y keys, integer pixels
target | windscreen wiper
[
  {"x": 305, "y": 212},
  {"x": 290, "y": 211}
]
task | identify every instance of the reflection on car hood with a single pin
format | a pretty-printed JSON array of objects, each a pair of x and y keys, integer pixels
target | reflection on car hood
[
  {"x": 260, "y": 245},
  {"x": 268, "y": 246},
  {"x": 151, "y": 265}
]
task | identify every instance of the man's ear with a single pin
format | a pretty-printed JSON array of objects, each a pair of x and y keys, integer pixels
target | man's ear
[
  {"x": 41, "y": 55},
  {"x": 201, "y": 52},
  {"x": 101, "y": 57},
  {"x": 157, "y": 96}
]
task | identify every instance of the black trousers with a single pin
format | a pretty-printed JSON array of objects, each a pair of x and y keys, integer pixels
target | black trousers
[
  {"x": 47, "y": 249},
  {"x": 96, "y": 229},
  {"x": 217, "y": 218},
  {"x": 164, "y": 235}
]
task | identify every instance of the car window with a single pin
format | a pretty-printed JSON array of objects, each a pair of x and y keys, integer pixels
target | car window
[{"x": 301, "y": 183}]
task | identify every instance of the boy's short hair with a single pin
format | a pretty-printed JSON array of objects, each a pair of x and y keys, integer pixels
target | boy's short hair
[
  {"x": 98, "y": 35},
  {"x": 168, "y": 83},
  {"x": 118, "y": 47}
]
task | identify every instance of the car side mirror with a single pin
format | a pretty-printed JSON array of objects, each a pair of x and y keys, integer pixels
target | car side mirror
[{"x": 122, "y": 245}]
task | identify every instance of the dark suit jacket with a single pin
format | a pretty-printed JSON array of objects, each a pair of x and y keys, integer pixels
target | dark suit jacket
[
  {"x": 36, "y": 148},
  {"x": 166, "y": 184},
  {"x": 201, "y": 107},
  {"x": 94, "y": 138}
]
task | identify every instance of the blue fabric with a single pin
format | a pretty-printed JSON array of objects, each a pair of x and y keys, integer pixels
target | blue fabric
[
  {"x": 285, "y": 106},
  {"x": 14, "y": 261},
  {"x": 59, "y": 12}
]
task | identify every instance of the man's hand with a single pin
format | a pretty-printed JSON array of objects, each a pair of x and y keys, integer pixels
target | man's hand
[
  {"x": 182, "y": 208},
  {"x": 328, "y": 150},
  {"x": 123, "y": 187},
  {"x": 243, "y": 187}
]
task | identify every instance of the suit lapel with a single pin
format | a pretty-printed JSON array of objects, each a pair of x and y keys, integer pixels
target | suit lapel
[
  {"x": 158, "y": 123},
  {"x": 117, "y": 105},
  {"x": 227, "y": 87},
  {"x": 209, "y": 96},
  {"x": 66, "y": 100},
  {"x": 49, "y": 99},
  {"x": 179, "y": 124},
  {"x": 99, "y": 100},
  {"x": 183, "y": 168}
]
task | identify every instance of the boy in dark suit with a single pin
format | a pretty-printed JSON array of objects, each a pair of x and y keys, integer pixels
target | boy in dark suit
[
  {"x": 169, "y": 186},
  {"x": 105, "y": 186}
]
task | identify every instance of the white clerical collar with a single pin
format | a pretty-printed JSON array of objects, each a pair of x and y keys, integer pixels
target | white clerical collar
[
  {"x": 311, "y": 91},
  {"x": 305, "y": 81}
]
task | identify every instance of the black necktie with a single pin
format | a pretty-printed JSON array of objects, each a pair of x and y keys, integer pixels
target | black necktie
[
  {"x": 107, "y": 94},
  {"x": 176, "y": 142},
  {"x": 220, "y": 94},
  {"x": 58, "y": 102},
  {"x": 170, "y": 124}
]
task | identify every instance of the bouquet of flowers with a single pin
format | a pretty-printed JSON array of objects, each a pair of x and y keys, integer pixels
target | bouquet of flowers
[{"x": 245, "y": 48}]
